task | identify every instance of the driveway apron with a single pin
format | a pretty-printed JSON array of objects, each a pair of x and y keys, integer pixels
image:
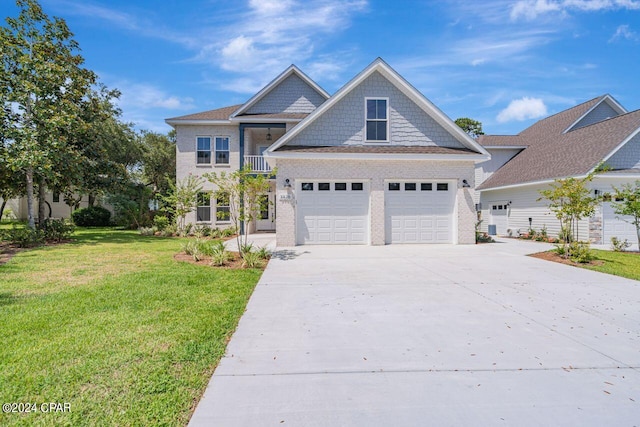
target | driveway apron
[{"x": 444, "y": 335}]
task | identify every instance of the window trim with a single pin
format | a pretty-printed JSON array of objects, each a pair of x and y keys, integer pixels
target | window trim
[
  {"x": 387, "y": 120},
  {"x": 215, "y": 150},
  {"x": 204, "y": 151}
]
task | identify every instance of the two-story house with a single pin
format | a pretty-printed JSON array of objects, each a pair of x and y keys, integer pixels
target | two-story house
[{"x": 375, "y": 163}]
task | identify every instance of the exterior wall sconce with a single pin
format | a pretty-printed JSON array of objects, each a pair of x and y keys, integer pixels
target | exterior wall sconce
[
  {"x": 478, "y": 207},
  {"x": 269, "y": 134},
  {"x": 287, "y": 183},
  {"x": 465, "y": 184}
]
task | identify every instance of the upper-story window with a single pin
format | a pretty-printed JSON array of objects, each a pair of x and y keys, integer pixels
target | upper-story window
[
  {"x": 377, "y": 119},
  {"x": 204, "y": 150},
  {"x": 222, "y": 150}
]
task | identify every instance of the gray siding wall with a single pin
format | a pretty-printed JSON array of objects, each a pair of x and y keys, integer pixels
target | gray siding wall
[
  {"x": 344, "y": 122},
  {"x": 499, "y": 157},
  {"x": 600, "y": 113},
  {"x": 293, "y": 95},
  {"x": 628, "y": 157},
  {"x": 524, "y": 205}
]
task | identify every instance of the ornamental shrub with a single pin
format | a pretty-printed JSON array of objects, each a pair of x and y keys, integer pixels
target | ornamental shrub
[{"x": 93, "y": 216}]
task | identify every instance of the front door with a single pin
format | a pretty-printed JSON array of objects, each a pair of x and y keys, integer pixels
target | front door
[{"x": 267, "y": 217}]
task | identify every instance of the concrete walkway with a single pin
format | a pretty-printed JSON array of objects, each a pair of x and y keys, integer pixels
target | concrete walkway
[{"x": 430, "y": 335}]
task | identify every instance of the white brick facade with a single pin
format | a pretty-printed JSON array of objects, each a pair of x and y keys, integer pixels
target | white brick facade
[
  {"x": 376, "y": 172},
  {"x": 186, "y": 157}
]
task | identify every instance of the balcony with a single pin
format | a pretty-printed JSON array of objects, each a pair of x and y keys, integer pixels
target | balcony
[{"x": 258, "y": 164}]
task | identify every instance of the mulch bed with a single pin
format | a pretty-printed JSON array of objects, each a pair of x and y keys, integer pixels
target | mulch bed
[
  {"x": 234, "y": 264},
  {"x": 552, "y": 256}
]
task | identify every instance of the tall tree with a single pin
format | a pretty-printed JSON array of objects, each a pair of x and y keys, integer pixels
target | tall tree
[
  {"x": 44, "y": 82},
  {"x": 159, "y": 161},
  {"x": 470, "y": 126}
]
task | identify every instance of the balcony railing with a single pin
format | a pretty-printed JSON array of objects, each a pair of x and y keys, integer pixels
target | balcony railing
[{"x": 257, "y": 163}]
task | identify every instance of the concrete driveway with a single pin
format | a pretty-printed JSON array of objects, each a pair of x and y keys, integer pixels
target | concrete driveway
[{"x": 430, "y": 335}]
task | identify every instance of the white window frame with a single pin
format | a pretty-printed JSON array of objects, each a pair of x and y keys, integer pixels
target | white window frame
[
  {"x": 215, "y": 150},
  {"x": 198, "y": 151},
  {"x": 201, "y": 206},
  {"x": 387, "y": 120}
]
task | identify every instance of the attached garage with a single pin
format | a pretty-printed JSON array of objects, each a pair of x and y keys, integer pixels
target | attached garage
[
  {"x": 499, "y": 217},
  {"x": 419, "y": 211},
  {"x": 614, "y": 225},
  {"x": 332, "y": 212}
]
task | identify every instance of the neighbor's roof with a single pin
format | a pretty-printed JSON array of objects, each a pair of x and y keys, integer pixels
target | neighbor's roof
[
  {"x": 552, "y": 154},
  {"x": 218, "y": 114}
]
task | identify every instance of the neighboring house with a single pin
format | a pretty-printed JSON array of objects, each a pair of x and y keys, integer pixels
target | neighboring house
[
  {"x": 571, "y": 143},
  {"x": 376, "y": 163},
  {"x": 55, "y": 207}
]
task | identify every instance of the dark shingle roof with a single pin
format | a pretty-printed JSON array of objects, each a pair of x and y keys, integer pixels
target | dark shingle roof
[
  {"x": 225, "y": 112},
  {"x": 375, "y": 149},
  {"x": 552, "y": 154},
  {"x": 218, "y": 114}
]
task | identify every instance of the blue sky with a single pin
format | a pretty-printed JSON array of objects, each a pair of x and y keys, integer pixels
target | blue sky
[{"x": 505, "y": 63}]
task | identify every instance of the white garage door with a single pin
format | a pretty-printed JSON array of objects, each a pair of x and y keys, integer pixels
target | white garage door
[
  {"x": 419, "y": 212},
  {"x": 332, "y": 212},
  {"x": 614, "y": 225}
]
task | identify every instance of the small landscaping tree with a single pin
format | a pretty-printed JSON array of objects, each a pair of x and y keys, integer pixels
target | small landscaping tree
[
  {"x": 243, "y": 190},
  {"x": 182, "y": 198},
  {"x": 628, "y": 204},
  {"x": 571, "y": 201}
]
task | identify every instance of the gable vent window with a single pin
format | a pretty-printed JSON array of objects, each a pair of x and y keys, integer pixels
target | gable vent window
[{"x": 377, "y": 122}]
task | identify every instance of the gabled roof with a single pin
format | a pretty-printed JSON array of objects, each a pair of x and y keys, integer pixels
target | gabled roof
[
  {"x": 273, "y": 84},
  {"x": 220, "y": 114},
  {"x": 552, "y": 153},
  {"x": 608, "y": 99},
  {"x": 401, "y": 84}
]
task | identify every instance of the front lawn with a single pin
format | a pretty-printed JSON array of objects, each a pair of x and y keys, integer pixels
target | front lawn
[
  {"x": 113, "y": 325},
  {"x": 625, "y": 264}
]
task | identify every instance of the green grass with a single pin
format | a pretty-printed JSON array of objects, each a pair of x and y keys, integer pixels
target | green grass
[
  {"x": 625, "y": 264},
  {"x": 113, "y": 325}
]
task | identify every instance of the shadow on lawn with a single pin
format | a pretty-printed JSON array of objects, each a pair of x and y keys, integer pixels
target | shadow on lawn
[
  {"x": 7, "y": 298},
  {"x": 95, "y": 236}
]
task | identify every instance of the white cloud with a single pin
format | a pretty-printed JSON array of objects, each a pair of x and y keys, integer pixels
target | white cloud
[
  {"x": 624, "y": 32},
  {"x": 531, "y": 9},
  {"x": 522, "y": 109},
  {"x": 275, "y": 33},
  {"x": 143, "y": 96}
]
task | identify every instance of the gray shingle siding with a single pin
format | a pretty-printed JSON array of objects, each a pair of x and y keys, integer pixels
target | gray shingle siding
[
  {"x": 628, "y": 157},
  {"x": 344, "y": 122},
  {"x": 293, "y": 95},
  {"x": 601, "y": 112}
]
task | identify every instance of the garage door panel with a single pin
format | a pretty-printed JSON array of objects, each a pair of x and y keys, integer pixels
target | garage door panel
[
  {"x": 615, "y": 225},
  {"x": 333, "y": 217},
  {"x": 421, "y": 216}
]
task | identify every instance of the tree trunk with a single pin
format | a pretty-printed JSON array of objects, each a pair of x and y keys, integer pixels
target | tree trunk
[
  {"x": 29, "y": 175},
  {"x": 4, "y": 203},
  {"x": 41, "y": 203},
  {"x": 92, "y": 199}
]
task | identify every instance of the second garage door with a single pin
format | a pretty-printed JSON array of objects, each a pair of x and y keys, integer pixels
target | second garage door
[
  {"x": 332, "y": 212},
  {"x": 419, "y": 212}
]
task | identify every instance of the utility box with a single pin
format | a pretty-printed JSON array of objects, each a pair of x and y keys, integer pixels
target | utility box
[{"x": 492, "y": 230}]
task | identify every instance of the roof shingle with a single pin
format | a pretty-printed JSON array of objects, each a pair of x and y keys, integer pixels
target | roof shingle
[{"x": 552, "y": 154}]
